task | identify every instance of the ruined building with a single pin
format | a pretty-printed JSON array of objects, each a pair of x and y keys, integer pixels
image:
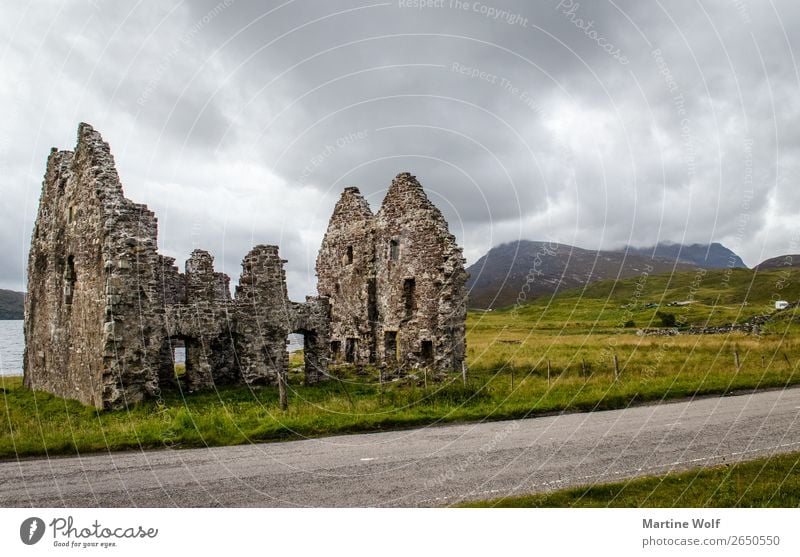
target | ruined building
[
  {"x": 105, "y": 310},
  {"x": 395, "y": 281}
]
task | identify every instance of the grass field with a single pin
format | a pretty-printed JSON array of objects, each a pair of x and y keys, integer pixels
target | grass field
[
  {"x": 576, "y": 335},
  {"x": 766, "y": 482}
]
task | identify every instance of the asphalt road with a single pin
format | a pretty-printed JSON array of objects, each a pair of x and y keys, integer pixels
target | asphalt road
[{"x": 422, "y": 467}]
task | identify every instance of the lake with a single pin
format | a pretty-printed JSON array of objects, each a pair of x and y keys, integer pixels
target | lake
[{"x": 12, "y": 344}]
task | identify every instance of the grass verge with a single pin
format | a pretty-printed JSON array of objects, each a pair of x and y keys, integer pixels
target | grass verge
[
  {"x": 35, "y": 423},
  {"x": 766, "y": 482}
]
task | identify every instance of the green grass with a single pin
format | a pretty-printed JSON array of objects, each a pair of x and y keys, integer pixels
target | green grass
[
  {"x": 577, "y": 334},
  {"x": 39, "y": 423},
  {"x": 766, "y": 482}
]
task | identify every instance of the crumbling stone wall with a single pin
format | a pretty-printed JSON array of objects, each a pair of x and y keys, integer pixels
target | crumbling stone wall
[
  {"x": 105, "y": 310},
  {"x": 346, "y": 276},
  {"x": 420, "y": 270},
  {"x": 64, "y": 299},
  {"x": 395, "y": 281}
]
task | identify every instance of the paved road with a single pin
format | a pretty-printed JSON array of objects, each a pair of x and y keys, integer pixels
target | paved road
[{"x": 423, "y": 467}]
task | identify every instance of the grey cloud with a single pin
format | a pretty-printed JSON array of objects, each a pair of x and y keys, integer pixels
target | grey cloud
[{"x": 236, "y": 122}]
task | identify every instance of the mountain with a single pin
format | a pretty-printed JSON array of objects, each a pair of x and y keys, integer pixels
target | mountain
[
  {"x": 497, "y": 279},
  {"x": 708, "y": 256},
  {"x": 779, "y": 262},
  {"x": 12, "y": 304}
]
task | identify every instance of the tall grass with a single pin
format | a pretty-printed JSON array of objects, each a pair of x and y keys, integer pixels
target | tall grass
[
  {"x": 765, "y": 482},
  {"x": 39, "y": 423}
]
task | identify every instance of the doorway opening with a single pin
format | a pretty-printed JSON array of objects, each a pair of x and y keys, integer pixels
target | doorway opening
[
  {"x": 304, "y": 355},
  {"x": 336, "y": 351},
  {"x": 427, "y": 352},
  {"x": 178, "y": 351},
  {"x": 295, "y": 346}
]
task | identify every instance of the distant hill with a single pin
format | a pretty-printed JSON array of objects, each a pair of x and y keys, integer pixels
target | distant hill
[
  {"x": 708, "y": 256},
  {"x": 12, "y": 304},
  {"x": 779, "y": 262},
  {"x": 716, "y": 287},
  {"x": 720, "y": 297},
  {"x": 498, "y": 277}
]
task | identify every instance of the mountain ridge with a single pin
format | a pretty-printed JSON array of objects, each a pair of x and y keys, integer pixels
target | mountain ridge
[
  {"x": 518, "y": 271},
  {"x": 12, "y": 305},
  {"x": 708, "y": 256},
  {"x": 779, "y": 262}
]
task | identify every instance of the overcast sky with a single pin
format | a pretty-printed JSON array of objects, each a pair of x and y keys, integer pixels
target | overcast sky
[{"x": 240, "y": 122}]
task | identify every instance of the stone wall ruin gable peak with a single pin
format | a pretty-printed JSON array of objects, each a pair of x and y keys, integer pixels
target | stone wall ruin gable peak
[
  {"x": 406, "y": 192},
  {"x": 94, "y": 153},
  {"x": 351, "y": 204}
]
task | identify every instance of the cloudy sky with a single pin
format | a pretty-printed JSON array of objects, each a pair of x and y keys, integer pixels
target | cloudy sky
[{"x": 240, "y": 122}]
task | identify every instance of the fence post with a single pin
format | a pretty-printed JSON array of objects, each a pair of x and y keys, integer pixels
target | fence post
[
  {"x": 616, "y": 367},
  {"x": 282, "y": 397},
  {"x": 548, "y": 372}
]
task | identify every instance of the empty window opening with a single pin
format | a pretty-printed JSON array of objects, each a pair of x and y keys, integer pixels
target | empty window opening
[
  {"x": 409, "y": 286},
  {"x": 70, "y": 214},
  {"x": 349, "y": 255},
  {"x": 427, "y": 352},
  {"x": 394, "y": 250},
  {"x": 372, "y": 300},
  {"x": 336, "y": 350},
  {"x": 350, "y": 349},
  {"x": 390, "y": 346},
  {"x": 338, "y": 288},
  {"x": 69, "y": 280}
]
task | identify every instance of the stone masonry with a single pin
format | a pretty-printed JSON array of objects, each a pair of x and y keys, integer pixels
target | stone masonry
[
  {"x": 105, "y": 311},
  {"x": 395, "y": 281}
]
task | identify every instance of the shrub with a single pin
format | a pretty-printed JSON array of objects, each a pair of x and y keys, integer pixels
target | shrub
[{"x": 667, "y": 319}]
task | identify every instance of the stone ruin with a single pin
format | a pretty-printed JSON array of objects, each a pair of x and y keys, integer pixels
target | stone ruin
[
  {"x": 105, "y": 310},
  {"x": 395, "y": 281}
]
